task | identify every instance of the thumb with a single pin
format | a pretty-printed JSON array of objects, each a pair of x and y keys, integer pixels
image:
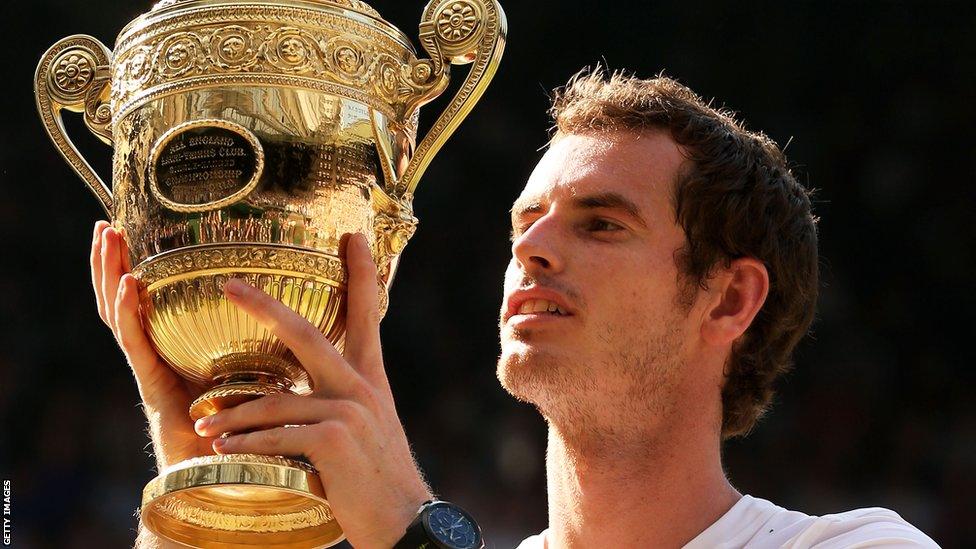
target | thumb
[{"x": 155, "y": 379}]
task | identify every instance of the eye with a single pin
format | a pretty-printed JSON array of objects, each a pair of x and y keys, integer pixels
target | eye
[{"x": 603, "y": 225}]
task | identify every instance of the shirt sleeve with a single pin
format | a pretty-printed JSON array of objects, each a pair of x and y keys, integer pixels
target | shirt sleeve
[{"x": 864, "y": 528}]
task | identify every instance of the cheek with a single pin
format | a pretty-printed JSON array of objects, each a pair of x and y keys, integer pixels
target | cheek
[{"x": 632, "y": 287}]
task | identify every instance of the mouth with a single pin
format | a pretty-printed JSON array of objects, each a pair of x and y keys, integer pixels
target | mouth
[
  {"x": 540, "y": 307},
  {"x": 535, "y": 304}
]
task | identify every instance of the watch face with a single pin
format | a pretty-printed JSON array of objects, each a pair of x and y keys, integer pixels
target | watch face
[{"x": 453, "y": 528}]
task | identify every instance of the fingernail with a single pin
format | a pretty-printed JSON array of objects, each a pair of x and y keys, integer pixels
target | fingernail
[
  {"x": 219, "y": 443},
  {"x": 201, "y": 425},
  {"x": 235, "y": 287}
]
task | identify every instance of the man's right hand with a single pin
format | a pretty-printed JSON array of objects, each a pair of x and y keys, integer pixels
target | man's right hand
[{"x": 166, "y": 397}]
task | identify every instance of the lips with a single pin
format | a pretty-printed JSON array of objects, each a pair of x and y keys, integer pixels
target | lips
[{"x": 537, "y": 302}]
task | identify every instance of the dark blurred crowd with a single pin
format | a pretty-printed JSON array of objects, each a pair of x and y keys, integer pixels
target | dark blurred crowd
[{"x": 874, "y": 103}]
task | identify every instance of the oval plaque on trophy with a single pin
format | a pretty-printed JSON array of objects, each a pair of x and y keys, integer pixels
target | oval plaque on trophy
[{"x": 205, "y": 165}]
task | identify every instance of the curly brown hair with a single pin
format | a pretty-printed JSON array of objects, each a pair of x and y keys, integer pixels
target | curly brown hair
[{"x": 735, "y": 197}]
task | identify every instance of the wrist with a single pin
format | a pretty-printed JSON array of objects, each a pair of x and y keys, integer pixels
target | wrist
[
  {"x": 441, "y": 525},
  {"x": 404, "y": 516}
]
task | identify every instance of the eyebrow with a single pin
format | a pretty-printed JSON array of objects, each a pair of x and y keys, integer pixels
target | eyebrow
[
  {"x": 608, "y": 200},
  {"x": 524, "y": 206},
  {"x": 611, "y": 200}
]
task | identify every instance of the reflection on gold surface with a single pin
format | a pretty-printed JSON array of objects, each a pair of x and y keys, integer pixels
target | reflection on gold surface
[{"x": 250, "y": 138}]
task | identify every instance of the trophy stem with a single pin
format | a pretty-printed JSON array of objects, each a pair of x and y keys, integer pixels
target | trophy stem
[{"x": 234, "y": 389}]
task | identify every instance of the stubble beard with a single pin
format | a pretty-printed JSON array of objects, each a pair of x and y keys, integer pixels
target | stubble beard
[{"x": 623, "y": 393}]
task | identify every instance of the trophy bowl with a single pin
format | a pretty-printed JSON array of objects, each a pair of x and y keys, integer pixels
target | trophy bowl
[{"x": 250, "y": 138}]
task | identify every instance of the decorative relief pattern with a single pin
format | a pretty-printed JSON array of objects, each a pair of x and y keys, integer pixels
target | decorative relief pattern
[
  {"x": 355, "y": 5},
  {"x": 224, "y": 520},
  {"x": 72, "y": 74},
  {"x": 349, "y": 55},
  {"x": 73, "y": 70},
  {"x": 482, "y": 45},
  {"x": 458, "y": 21},
  {"x": 242, "y": 459},
  {"x": 392, "y": 234},
  {"x": 240, "y": 257}
]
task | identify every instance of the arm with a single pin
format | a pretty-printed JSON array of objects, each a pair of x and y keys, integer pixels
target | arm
[{"x": 165, "y": 396}]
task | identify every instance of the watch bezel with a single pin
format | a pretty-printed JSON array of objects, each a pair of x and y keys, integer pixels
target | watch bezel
[{"x": 428, "y": 510}]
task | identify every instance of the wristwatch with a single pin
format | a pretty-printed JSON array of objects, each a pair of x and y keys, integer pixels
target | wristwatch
[{"x": 441, "y": 525}]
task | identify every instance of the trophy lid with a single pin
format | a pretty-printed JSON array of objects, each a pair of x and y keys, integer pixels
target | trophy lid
[
  {"x": 355, "y": 5},
  {"x": 356, "y": 9}
]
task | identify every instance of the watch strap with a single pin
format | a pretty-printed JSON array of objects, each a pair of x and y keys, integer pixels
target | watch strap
[{"x": 416, "y": 536}]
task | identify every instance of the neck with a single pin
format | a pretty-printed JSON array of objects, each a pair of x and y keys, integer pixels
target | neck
[{"x": 652, "y": 491}]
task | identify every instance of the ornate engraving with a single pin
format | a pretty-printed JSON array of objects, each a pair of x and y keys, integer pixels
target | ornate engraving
[
  {"x": 72, "y": 71},
  {"x": 179, "y": 54},
  {"x": 242, "y": 257},
  {"x": 392, "y": 234},
  {"x": 355, "y": 5},
  {"x": 225, "y": 520},
  {"x": 229, "y": 395},
  {"x": 69, "y": 55},
  {"x": 361, "y": 7},
  {"x": 243, "y": 459},
  {"x": 232, "y": 48},
  {"x": 484, "y": 47},
  {"x": 457, "y": 21},
  {"x": 321, "y": 51}
]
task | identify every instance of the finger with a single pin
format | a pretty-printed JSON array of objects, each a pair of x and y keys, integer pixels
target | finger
[
  {"x": 274, "y": 411},
  {"x": 330, "y": 373},
  {"x": 362, "y": 309},
  {"x": 111, "y": 270},
  {"x": 152, "y": 374},
  {"x": 96, "y": 270},
  {"x": 125, "y": 264},
  {"x": 280, "y": 441}
]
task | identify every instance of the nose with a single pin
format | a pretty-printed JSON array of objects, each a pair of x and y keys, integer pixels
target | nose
[{"x": 537, "y": 249}]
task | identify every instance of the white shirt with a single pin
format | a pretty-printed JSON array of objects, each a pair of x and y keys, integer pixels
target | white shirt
[{"x": 755, "y": 523}]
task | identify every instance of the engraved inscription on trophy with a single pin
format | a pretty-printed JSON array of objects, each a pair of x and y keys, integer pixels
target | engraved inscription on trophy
[{"x": 204, "y": 165}]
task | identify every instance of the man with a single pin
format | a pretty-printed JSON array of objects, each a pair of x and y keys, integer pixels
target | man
[{"x": 664, "y": 265}]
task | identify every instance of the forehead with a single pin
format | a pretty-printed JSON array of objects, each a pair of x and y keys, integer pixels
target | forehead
[{"x": 641, "y": 167}]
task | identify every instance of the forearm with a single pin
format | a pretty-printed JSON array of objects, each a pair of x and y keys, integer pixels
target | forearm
[{"x": 146, "y": 539}]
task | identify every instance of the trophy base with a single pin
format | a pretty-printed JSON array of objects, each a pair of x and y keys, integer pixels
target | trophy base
[{"x": 240, "y": 500}]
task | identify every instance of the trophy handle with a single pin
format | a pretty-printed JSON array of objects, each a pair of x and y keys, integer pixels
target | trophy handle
[
  {"x": 74, "y": 74},
  {"x": 457, "y": 32}
]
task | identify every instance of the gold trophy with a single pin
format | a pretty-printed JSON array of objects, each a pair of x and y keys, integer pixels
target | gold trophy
[{"x": 249, "y": 137}]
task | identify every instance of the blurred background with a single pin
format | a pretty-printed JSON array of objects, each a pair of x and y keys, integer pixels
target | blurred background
[{"x": 876, "y": 103}]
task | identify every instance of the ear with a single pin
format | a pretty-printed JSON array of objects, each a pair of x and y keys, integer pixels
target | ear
[{"x": 739, "y": 291}]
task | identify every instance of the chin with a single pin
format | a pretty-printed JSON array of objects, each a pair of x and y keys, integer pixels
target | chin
[{"x": 531, "y": 374}]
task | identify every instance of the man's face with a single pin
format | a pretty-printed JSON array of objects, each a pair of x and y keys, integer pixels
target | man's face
[{"x": 591, "y": 325}]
